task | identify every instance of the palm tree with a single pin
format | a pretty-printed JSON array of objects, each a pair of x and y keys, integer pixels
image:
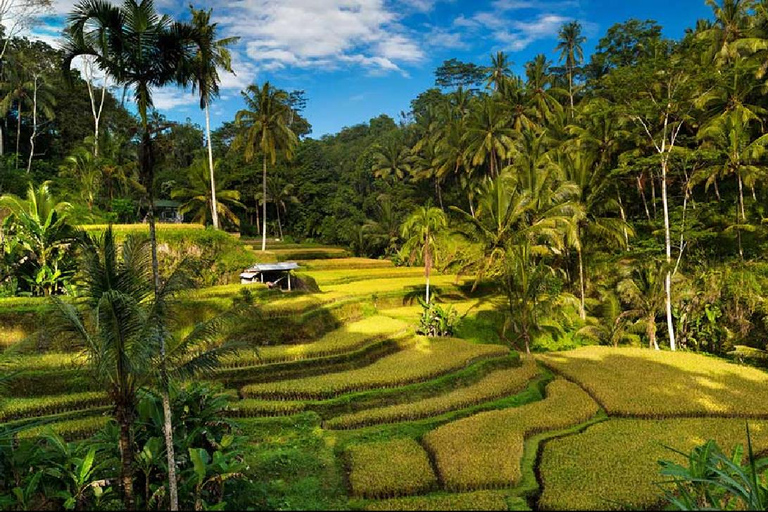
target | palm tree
[
  {"x": 733, "y": 153},
  {"x": 385, "y": 228},
  {"x": 85, "y": 169},
  {"x": 539, "y": 93},
  {"x": 43, "y": 101},
  {"x": 642, "y": 288},
  {"x": 571, "y": 51},
  {"x": 488, "y": 136},
  {"x": 140, "y": 50},
  {"x": 281, "y": 194},
  {"x": 264, "y": 127},
  {"x": 211, "y": 55},
  {"x": 198, "y": 198},
  {"x": 420, "y": 232},
  {"x": 499, "y": 70},
  {"x": 730, "y": 25},
  {"x": 122, "y": 322},
  {"x": 392, "y": 159}
]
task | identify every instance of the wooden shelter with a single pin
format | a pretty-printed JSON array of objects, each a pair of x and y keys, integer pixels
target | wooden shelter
[{"x": 271, "y": 274}]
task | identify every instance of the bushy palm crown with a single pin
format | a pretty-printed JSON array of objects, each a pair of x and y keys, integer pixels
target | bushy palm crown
[
  {"x": 264, "y": 123},
  {"x": 197, "y": 195}
]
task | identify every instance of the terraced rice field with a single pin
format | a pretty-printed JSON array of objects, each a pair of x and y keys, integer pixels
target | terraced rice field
[{"x": 348, "y": 408}]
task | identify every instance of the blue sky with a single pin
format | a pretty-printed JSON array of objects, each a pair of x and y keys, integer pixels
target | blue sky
[{"x": 357, "y": 59}]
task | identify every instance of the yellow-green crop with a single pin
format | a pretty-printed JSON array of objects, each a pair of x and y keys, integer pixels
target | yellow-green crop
[
  {"x": 614, "y": 464},
  {"x": 478, "y": 500},
  {"x": 424, "y": 360},
  {"x": 484, "y": 451},
  {"x": 659, "y": 384},
  {"x": 388, "y": 469},
  {"x": 495, "y": 385}
]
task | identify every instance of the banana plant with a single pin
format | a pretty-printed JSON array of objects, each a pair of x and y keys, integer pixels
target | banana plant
[{"x": 210, "y": 473}]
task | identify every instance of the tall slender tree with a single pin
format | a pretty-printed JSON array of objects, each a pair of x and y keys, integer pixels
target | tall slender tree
[
  {"x": 140, "y": 50},
  {"x": 264, "y": 128},
  {"x": 571, "y": 51},
  {"x": 420, "y": 232},
  {"x": 212, "y": 54}
]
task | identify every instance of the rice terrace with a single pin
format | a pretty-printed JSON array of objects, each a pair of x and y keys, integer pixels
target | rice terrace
[{"x": 328, "y": 255}]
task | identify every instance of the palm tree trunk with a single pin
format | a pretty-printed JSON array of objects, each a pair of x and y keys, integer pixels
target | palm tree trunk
[
  {"x": 2, "y": 144},
  {"x": 173, "y": 491},
  {"x": 147, "y": 164},
  {"x": 642, "y": 194},
  {"x": 279, "y": 224},
  {"x": 18, "y": 132},
  {"x": 570, "y": 88},
  {"x": 126, "y": 462},
  {"x": 741, "y": 199},
  {"x": 214, "y": 206},
  {"x": 427, "y": 263},
  {"x": 624, "y": 219},
  {"x": 668, "y": 248},
  {"x": 34, "y": 127},
  {"x": 264, "y": 199},
  {"x": 651, "y": 330},
  {"x": 582, "y": 310}
]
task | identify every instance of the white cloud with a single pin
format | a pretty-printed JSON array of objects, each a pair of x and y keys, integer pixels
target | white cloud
[
  {"x": 321, "y": 33},
  {"x": 173, "y": 98},
  {"x": 516, "y": 24}
]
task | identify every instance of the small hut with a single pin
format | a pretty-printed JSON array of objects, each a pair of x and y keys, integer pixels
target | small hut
[{"x": 271, "y": 274}]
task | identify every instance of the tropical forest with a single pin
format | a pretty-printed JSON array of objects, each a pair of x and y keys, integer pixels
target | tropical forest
[{"x": 540, "y": 283}]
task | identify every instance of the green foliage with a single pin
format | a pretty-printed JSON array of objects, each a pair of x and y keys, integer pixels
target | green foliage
[{"x": 436, "y": 320}]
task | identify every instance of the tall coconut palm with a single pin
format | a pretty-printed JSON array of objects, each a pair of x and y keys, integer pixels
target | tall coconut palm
[
  {"x": 420, "y": 232},
  {"x": 212, "y": 54},
  {"x": 197, "y": 197},
  {"x": 499, "y": 70},
  {"x": 121, "y": 321},
  {"x": 488, "y": 136},
  {"x": 571, "y": 51},
  {"x": 264, "y": 128},
  {"x": 140, "y": 50}
]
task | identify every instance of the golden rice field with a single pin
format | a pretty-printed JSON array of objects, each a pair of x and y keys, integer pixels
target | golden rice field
[
  {"x": 484, "y": 451},
  {"x": 424, "y": 360},
  {"x": 613, "y": 465},
  {"x": 478, "y": 500},
  {"x": 664, "y": 384},
  {"x": 495, "y": 385},
  {"x": 391, "y": 468}
]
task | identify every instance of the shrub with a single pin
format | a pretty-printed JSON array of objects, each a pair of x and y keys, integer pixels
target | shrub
[
  {"x": 388, "y": 469},
  {"x": 424, "y": 361},
  {"x": 478, "y": 500},
  {"x": 664, "y": 384},
  {"x": 613, "y": 465},
  {"x": 495, "y": 385},
  {"x": 484, "y": 451},
  {"x": 437, "y": 320}
]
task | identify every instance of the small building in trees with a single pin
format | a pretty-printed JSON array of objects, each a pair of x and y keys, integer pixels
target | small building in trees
[{"x": 274, "y": 275}]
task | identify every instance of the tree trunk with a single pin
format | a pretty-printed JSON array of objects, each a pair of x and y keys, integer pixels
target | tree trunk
[
  {"x": 427, "y": 263},
  {"x": 2, "y": 144},
  {"x": 624, "y": 219},
  {"x": 34, "y": 127},
  {"x": 642, "y": 194},
  {"x": 173, "y": 491},
  {"x": 653, "y": 198},
  {"x": 582, "y": 310},
  {"x": 264, "y": 199},
  {"x": 126, "y": 463},
  {"x": 147, "y": 168},
  {"x": 668, "y": 248},
  {"x": 18, "y": 132},
  {"x": 214, "y": 206},
  {"x": 651, "y": 330},
  {"x": 439, "y": 192},
  {"x": 279, "y": 223}
]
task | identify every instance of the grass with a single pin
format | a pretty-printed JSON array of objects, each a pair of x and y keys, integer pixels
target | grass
[
  {"x": 478, "y": 500},
  {"x": 389, "y": 285},
  {"x": 388, "y": 469},
  {"x": 613, "y": 465},
  {"x": 495, "y": 385},
  {"x": 350, "y": 337},
  {"x": 69, "y": 429},
  {"x": 484, "y": 451},
  {"x": 345, "y": 275},
  {"x": 664, "y": 384},
  {"x": 425, "y": 360},
  {"x": 18, "y": 408},
  {"x": 347, "y": 263}
]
